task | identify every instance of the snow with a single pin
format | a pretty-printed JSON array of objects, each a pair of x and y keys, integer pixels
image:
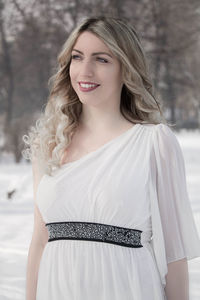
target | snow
[{"x": 16, "y": 218}]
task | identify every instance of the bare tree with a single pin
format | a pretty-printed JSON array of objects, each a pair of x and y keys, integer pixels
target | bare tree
[
  {"x": 32, "y": 33},
  {"x": 6, "y": 64}
]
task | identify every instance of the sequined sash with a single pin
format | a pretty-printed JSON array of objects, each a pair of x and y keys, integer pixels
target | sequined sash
[{"x": 97, "y": 232}]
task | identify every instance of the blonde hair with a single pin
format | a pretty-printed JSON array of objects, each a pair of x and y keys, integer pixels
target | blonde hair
[{"x": 54, "y": 129}]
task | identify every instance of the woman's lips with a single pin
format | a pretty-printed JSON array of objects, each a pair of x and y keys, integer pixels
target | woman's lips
[{"x": 87, "y": 89}]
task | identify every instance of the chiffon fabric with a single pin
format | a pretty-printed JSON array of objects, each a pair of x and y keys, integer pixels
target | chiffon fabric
[{"x": 136, "y": 180}]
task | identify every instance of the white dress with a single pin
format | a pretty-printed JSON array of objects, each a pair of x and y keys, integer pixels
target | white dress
[{"x": 136, "y": 180}]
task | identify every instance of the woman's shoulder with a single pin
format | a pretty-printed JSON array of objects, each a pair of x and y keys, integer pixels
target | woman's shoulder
[
  {"x": 159, "y": 129},
  {"x": 162, "y": 136},
  {"x": 165, "y": 142},
  {"x": 152, "y": 126}
]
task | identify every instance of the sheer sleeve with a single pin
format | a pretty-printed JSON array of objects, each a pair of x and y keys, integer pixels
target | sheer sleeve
[{"x": 174, "y": 231}]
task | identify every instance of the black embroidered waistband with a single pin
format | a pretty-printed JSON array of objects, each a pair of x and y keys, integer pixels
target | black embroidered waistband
[{"x": 94, "y": 232}]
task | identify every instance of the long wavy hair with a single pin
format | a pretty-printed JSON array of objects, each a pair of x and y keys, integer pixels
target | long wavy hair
[{"x": 54, "y": 129}]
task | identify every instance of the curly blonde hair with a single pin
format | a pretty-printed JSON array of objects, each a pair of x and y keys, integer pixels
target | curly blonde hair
[{"x": 53, "y": 131}]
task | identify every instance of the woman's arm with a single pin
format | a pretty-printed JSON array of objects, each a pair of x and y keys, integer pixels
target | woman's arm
[
  {"x": 38, "y": 242},
  {"x": 177, "y": 281}
]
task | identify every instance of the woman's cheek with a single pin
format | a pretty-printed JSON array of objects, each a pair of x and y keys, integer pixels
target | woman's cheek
[{"x": 72, "y": 75}]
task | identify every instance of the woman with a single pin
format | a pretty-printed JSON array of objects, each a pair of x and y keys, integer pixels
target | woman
[{"x": 112, "y": 217}]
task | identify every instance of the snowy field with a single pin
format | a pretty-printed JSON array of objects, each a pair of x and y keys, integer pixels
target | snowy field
[{"x": 16, "y": 218}]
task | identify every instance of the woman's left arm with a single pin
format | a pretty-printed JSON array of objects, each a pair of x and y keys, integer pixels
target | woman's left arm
[
  {"x": 175, "y": 237},
  {"x": 177, "y": 280}
]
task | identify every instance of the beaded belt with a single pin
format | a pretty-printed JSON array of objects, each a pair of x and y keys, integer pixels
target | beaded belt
[{"x": 94, "y": 232}]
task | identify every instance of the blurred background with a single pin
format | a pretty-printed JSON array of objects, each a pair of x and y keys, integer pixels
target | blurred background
[{"x": 31, "y": 35}]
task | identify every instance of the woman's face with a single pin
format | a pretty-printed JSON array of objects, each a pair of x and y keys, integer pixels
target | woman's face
[{"x": 95, "y": 73}]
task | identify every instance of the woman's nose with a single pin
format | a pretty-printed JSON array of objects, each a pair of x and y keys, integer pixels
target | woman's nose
[{"x": 86, "y": 69}]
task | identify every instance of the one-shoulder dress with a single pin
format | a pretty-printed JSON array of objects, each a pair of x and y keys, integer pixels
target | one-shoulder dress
[{"x": 136, "y": 180}]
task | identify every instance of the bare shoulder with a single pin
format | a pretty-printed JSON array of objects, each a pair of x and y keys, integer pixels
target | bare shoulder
[{"x": 38, "y": 173}]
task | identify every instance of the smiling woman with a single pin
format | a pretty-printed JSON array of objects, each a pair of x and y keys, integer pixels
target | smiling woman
[
  {"x": 108, "y": 53},
  {"x": 101, "y": 74},
  {"x": 112, "y": 214}
]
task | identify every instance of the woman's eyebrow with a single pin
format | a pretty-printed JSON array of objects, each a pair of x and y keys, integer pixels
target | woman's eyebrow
[{"x": 95, "y": 53}]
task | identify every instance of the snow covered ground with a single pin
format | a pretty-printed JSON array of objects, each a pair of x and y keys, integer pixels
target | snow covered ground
[{"x": 16, "y": 218}]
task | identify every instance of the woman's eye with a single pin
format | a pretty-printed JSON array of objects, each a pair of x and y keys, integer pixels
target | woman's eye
[
  {"x": 75, "y": 56},
  {"x": 102, "y": 59}
]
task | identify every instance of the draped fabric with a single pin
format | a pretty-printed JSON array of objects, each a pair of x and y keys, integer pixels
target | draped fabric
[
  {"x": 136, "y": 180},
  {"x": 174, "y": 230}
]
